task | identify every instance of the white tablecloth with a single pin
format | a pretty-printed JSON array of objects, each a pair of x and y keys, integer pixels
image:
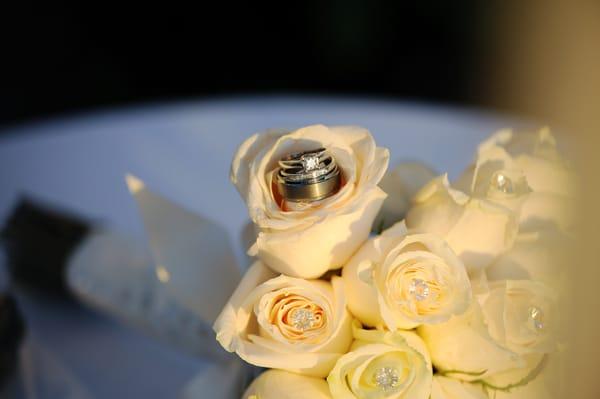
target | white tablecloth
[{"x": 182, "y": 150}]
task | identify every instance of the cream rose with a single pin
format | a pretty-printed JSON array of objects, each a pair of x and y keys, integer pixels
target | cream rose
[
  {"x": 383, "y": 364},
  {"x": 501, "y": 340},
  {"x": 450, "y": 388},
  {"x": 286, "y": 323},
  {"x": 401, "y": 184},
  {"x": 279, "y": 384},
  {"x": 308, "y": 242},
  {"x": 521, "y": 315},
  {"x": 537, "y": 155},
  {"x": 477, "y": 229},
  {"x": 403, "y": 280},
  {"x": 518, "y": 183},
  {"x": 525, "y": 172}
]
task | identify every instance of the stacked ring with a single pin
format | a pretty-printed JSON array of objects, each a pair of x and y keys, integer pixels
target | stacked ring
[{"x": 308, "y": 176}]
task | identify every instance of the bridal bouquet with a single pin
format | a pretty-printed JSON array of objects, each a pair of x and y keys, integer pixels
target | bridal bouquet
[{"x": 400, "y": 285}]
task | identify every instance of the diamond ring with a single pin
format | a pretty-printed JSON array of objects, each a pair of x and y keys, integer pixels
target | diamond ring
[
  {"x": 308, "y": 176},
  {"x": 306, "y": 159},
  {"x": 310, "y": 170}
]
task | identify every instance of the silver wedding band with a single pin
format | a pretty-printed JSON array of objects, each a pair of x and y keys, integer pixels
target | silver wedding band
[{"x": 308, "y": 176}]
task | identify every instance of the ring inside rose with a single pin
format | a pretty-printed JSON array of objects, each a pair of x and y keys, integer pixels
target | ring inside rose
[{"x": 308, "y": 176}]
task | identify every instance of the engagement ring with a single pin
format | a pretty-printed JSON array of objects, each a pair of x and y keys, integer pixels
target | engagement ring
[{"x": 308, "y": 176}]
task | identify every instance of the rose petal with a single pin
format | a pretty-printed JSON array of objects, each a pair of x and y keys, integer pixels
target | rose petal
[
  {"x": 278, "y": 384},
  {"x": 449, "y": 388},
  {"x": 323, "y": 246}
]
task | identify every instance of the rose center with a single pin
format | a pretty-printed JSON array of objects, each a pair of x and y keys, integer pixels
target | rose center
[
  {"x": 297, "y": 318},
  {"x": 502, "y": 183},
  {"x": 302, "y": 319},
  {"x": 536, "y": 318},
  {"x": 418, "y": 289},
  {"x": 387, "y": 378}
]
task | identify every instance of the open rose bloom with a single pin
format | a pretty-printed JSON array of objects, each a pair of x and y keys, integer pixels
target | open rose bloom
[
  {"x": 308, "y": 242},
  {"x": 401, "y": 280},
  {"x": 286, "y": 323},
  {"x": 462, "y": 299}
]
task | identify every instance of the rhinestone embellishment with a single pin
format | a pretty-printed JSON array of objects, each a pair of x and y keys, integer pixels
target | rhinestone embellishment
[
  {"x": 387, "y": 378},
  {"x": 536, "y": 317},
  {"x": 310, "y": 162},
  {"x": 302, "y": 319},
  {"x": 502, "y": 183},
  {"x": 418, "y": 289}
]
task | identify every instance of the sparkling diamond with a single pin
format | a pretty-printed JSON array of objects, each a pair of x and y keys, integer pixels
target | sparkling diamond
[
  {"x": 536, "y": 316},
  {"x": 310, "y": 162},
  {"x": 418, "y": 289},
  {"x": 502, "y": 183},
  {"x": 302, "y": 319},
  {"x": 387, "y": 378}
]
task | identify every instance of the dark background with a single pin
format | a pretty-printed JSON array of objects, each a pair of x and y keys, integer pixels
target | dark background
[{"x": 61, "y": 57}]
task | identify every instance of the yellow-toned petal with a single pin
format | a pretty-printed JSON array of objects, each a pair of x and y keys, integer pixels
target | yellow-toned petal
[
  {"x": 361, "y": 294},
  {"x": 226, "y": 325},
  {"x": 481, "y": 233},
  {"x": 464, "y": 346},
  {"x": 245, "y": 156},
  {"x": 449, "y": 388},
  {"x": 310, "y": 252},
  {"x": 278, "y": 384}
]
